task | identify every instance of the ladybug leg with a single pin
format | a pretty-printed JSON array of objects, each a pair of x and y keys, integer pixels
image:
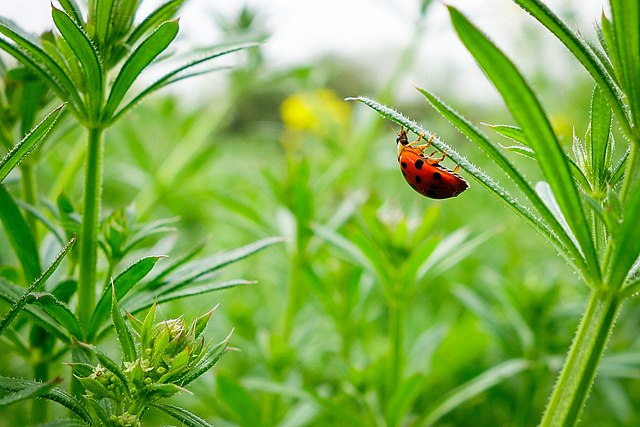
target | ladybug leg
[
  {"x": 456, "y": 169},
  {"x": 433, "y": 161}
]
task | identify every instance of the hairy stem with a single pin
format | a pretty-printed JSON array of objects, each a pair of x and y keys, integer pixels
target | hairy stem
[
  {"x": 579, "y": 371},
  {"x": 90, "y": 224}
]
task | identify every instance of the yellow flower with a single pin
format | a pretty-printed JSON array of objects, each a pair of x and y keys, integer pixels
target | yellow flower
[{"x": 318, "y": 111}]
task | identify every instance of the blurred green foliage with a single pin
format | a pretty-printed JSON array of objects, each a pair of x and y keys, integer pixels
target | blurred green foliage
[{"x": 280, "y": 153}]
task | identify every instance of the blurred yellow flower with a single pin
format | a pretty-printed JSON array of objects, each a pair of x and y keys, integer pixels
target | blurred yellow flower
[{"x": 318, "y": 111}]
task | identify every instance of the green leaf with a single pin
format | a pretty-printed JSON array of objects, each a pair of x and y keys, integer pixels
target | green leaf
[
  {"x": 30, "y": 54},
  {"x": 528, "y": 113},
  {"x": 511, "y": 132},
  {"x": 473, "y": 388},
  {"x": 122, "y": 330},
  {"x": 58, "y": 310},
  {"x": 403, "y": 398},
  {"x": 186, "y": 417},
  {"x": 29, "y": 392},
  {"x": 625, "y": 16},
  {"x": 556, "y": 236},
  {"x": 208, "y": 361},
  {"x": 142, "y": 301},
  {"x": 102, "y": 18},
  {"x": 139, "y": 59},
  {"x": 36, "y": 285},
  {"x": 122, "y": 284},
  {"x": 172, "y": 76},
  {"x": 54, "y": 394},
  {"x": 599, "y": 147},
  {"x": 202, "y": 268},
  {"x": 19, "y": 235},
  {"x": 581, "y": 52},
  {"x": 239, "y": 400},
  {"x": 626, "y": 242},
  {"x": 28, "y": 143},
  {"x": 72, "y": 9},
  {"x": 163, "y": 13},
  {"x": 86, "y": 54},
  {"x": 13, "y": 293},
  {"x": 109, "y": 364}
]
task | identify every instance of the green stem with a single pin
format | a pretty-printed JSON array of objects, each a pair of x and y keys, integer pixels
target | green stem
[
  {"x": 90, "y": 224},
  {"x": 577, "y": 376},
  {"x": 396, "y": 343}
]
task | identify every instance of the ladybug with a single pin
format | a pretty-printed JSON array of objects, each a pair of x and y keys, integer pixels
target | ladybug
[{"x": 424, "y": 173}]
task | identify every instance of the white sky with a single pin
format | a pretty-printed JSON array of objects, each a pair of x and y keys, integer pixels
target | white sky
[{"x": 367, "y": 30}]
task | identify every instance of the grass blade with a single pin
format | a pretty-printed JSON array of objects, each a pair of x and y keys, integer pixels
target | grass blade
[
  {"x": 28, "y": 143},
  {"x": 626, "y": 242},
  {"x": 139, "y": 59},
  {"x": 528, "y": 113}
]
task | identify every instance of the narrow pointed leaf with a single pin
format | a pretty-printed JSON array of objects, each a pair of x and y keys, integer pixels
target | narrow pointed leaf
[
  {"x": 580, "y": 51},
  {"x": 173, "y": 76},
  {"x": 54, "y": 394},
  {"x": 122, "y": 284},
  {"x": 139, "y": 59},
  {"x": 31, "y": 54},
  {"x": 19, "y": 235},
  {"x": 186, "y": 417},
  {"x": 211, "y": 357},
  {"x": 58, "y": 311},
  {"x": 163, "y": 13},
  {"x": 28, "y": 143},
  {"x": 29, "y": 392},
  {"x": 473, "y": 388},
  {"x": 36, "y": 285},
  {"x": 72, "y": 9},
  {"x": 122, "y": 330},
  {"x": 85, "y": 52},
  {"x": 555, "y": 236},
  {"x": 626, "y": 242},
  {"x": 598, "y": 142},
  {"x": 626, "y": 24},
  {"x": 143, "y": 301},
  {"x": 528, "y": 113}
]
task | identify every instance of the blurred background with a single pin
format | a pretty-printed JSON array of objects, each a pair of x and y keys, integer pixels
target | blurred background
[{"x": 269, "y": 147}]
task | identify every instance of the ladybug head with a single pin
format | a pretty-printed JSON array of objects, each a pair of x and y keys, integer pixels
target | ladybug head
[{"x": 402, "y": 136}]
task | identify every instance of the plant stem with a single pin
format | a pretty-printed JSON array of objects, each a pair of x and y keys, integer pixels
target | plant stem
[
  {"x": 90, "y": 223},
  {"x": 396, "y": 343},
  {"x": 578, "y": 373}
]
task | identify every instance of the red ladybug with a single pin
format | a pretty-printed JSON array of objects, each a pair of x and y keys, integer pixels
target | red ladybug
[{"x": 424, "y": 173}]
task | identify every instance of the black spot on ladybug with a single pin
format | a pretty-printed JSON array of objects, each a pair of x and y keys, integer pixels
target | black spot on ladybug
[
  {"x": 404, "y": 165},
  {"x": 418, "y": 179},
  {"x": 431, "y": 193},
  {"x": 404, "y": 173},
  {"x": 418, "y": 164},
  {"x": 437, "y": 176}
]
